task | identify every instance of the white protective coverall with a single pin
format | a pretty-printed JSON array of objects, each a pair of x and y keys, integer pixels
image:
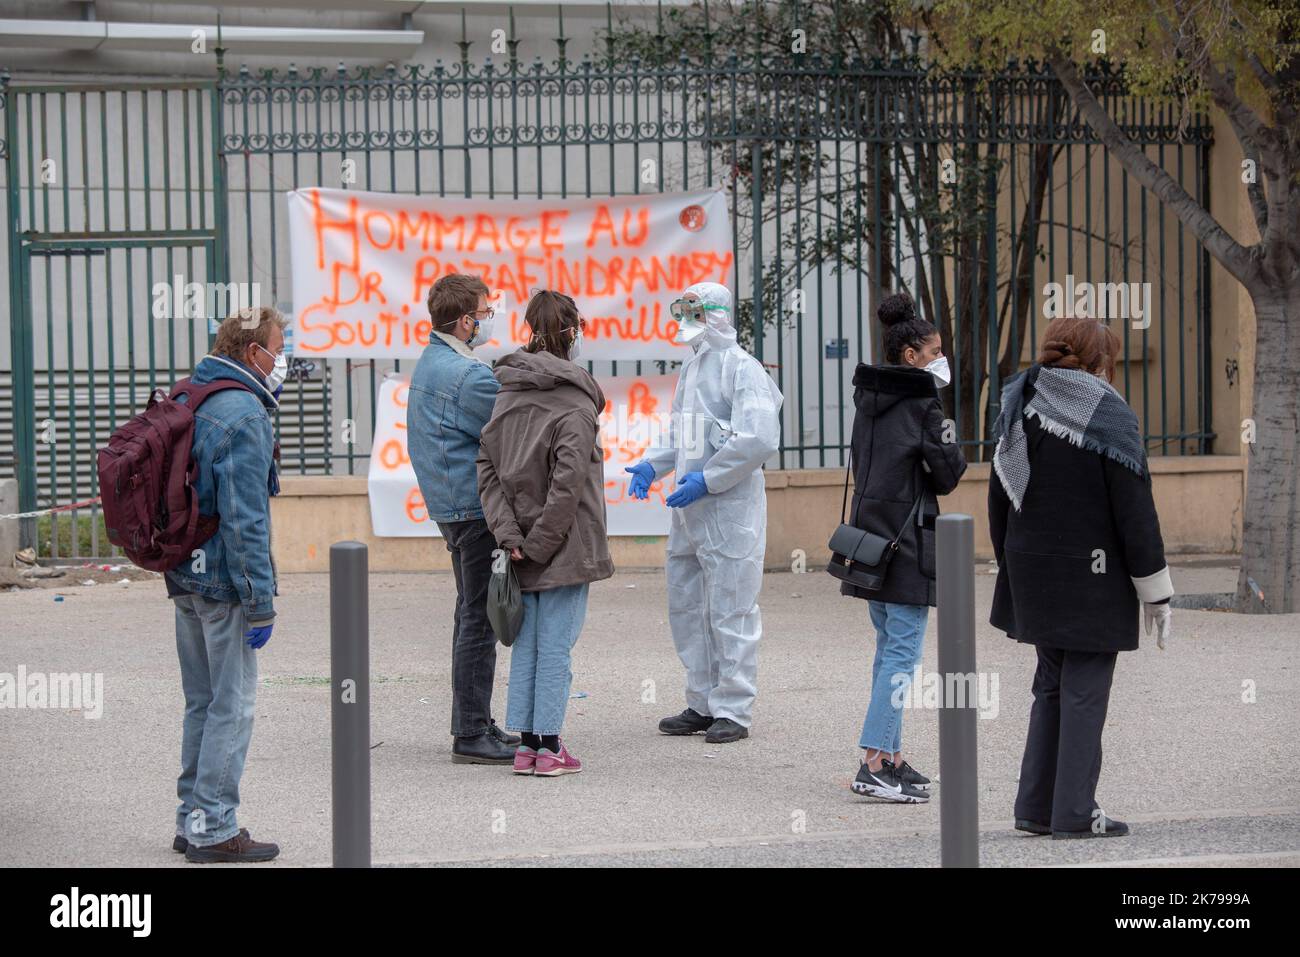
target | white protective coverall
[{"x": 725, "y": 423}]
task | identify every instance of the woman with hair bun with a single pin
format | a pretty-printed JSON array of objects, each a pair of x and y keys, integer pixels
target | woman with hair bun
[
  {"x": 901, "y": 462},
  {"x": 1078, "y": 546}
]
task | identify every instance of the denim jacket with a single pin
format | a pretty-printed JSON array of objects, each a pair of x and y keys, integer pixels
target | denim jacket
[
  {"x": 234, "y": 446},
  {"x": 450, "y": 401}
]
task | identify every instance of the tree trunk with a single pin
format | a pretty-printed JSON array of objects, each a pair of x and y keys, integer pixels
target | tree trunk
[{"x": 1270, "y": 547}]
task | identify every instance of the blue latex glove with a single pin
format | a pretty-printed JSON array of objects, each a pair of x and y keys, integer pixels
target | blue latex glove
[
  {"x": 259, "y": 636},
  {"x": 643, "y": 473},
  {"x": 690, "y": 489}
]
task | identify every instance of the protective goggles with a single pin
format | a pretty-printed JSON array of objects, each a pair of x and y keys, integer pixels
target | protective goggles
[{"x": 692, "y": 310}]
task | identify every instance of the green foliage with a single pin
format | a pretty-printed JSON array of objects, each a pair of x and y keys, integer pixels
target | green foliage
[
  {"x": 1161, "y": 43},
  {"x": 67, "y": 529}
]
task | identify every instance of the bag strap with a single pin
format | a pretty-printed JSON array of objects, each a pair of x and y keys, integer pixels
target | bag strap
[
  {"x": 198, "y": 393},
  {"x": 908, "y": 521},
  {"x": 845, "y": 503}
]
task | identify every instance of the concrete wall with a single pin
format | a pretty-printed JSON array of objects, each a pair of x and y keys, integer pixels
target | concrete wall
[{"x": 1199, "y": 499}]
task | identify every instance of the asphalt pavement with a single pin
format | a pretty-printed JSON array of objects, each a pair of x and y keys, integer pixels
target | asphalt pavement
[{"x": 1201, "y": 742}]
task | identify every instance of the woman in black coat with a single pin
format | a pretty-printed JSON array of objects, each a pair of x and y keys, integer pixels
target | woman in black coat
[
  {"x": 902, "y": 458},
  {"x": 1078, "y": 546}
]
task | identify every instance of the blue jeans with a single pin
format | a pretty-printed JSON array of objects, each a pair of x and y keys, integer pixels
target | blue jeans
[
  {"x": 219, "y": 676},
  {"x": 900, "y": 630},
  {"x": 540, "y": 673}
]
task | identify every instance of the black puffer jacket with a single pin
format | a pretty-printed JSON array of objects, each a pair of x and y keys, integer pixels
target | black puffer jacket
[{"x": 898, "y": 448}]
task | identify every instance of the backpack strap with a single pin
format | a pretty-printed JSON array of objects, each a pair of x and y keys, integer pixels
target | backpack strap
[{"x": 198, "y": 393}]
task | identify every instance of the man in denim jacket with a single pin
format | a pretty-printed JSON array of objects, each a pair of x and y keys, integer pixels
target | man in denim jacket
[
  {"x": 451, "y": 398},
  {"x": 224, "y": 594}
]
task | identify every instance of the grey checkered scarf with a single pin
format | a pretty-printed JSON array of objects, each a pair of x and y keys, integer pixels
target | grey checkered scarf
[{"x": 1072, "y": 404}]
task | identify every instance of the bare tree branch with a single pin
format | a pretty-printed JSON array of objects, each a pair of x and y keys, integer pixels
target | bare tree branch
[
  {"x": 1251, "y": 130},
  {"x": 1237, "y": 259}
]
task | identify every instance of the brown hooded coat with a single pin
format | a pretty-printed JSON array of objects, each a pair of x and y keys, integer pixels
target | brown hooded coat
[{"x": 541, "y": 471}]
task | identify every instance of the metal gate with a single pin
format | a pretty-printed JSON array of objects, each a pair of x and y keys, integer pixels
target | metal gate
[
  {"x": 836, "y": 170},
  {"x": 110, "y": 198}
]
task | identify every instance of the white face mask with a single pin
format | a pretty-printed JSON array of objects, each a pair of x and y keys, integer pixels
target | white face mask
[
  {"x": 939, "y": 369},
  {"x": 482, "y": 330},
  {"x": 280, "y": 369},
  {"x": 575, "y": 349},
  {"x": 689, "y": 332}
]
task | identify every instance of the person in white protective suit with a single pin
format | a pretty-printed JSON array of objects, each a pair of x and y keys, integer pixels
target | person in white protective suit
[{"x": 725, "y": 424}]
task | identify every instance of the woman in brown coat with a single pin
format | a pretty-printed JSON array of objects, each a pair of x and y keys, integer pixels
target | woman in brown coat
[{"x": 541, "y": 480}]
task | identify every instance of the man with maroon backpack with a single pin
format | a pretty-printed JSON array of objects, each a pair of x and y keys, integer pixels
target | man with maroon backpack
[{"x": 224, "y": 591}]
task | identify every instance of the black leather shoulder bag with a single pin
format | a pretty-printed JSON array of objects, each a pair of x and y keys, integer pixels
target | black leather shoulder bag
[{"x": 862, "y": 558}]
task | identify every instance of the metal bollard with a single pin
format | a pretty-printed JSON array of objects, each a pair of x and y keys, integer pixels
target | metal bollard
[
  {"x": 350, "y": 702},
  {"x": 959, "y": 836}
]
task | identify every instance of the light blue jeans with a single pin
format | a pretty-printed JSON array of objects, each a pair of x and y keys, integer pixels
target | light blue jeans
[
  {"x": 219, "y": 676},
  {"x": 900, "y": 630},
  {"x": 540, "y": 671}
]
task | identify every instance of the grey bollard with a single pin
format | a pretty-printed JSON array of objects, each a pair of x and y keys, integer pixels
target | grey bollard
[
  {"x": 350, "y": 702},
  {"x": 959, "y": 836},
  {"x": 10, "y": 528}
]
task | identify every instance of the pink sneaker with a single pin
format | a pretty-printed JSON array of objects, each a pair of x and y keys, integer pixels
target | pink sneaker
[
  {"x": 551, "y": 765},
  {"x": 525, "y": 760}
]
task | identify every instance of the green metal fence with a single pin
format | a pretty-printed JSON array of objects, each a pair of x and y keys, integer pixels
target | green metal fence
[{"x": 848, "y": 179}]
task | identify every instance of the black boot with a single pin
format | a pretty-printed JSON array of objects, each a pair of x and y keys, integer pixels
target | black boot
[
  {"x": 481, "y": 749},
  {"x": 688, "y": 722},
  {"x": 724, "y": 731},
  {"x": 505, "y": 737}
]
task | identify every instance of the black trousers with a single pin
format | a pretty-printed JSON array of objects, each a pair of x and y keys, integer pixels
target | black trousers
[
  {"x": 1058, "y": 776},
  {"x": 473, "y": 644}
]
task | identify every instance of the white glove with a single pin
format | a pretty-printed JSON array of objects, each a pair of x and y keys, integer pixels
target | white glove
[{"x": 1162, "y": 616}]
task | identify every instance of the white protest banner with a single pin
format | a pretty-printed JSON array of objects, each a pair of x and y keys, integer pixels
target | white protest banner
[
  {"x": 636, "y": 416},
  {"x": 396, "y": 505},
  {"x": 363, "y": 264}
]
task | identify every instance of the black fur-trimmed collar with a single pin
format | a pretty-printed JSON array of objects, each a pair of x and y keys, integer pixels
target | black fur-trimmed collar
[{"x": 895, "y": 380}]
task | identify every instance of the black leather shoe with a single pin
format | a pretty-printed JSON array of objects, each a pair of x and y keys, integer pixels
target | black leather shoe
[
  {"x": 1032, "y": 827},
  {"x": 481, "y": 749},
  {"x": 505, "y": 737},
  {"x": 1105, "y": 827},
  {"x": 688, "y": 722},
  {"x": 724, "y": 731}
]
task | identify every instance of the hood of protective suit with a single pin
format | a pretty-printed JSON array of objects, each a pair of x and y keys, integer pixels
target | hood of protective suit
[
  {"x": 879, "y": 388},
  {"x": 722, "y": 328},
  {"x": 528, "y": 371}
]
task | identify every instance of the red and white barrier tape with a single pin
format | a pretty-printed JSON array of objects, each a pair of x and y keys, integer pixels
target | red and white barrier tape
[{"x": 50, "y": 511}]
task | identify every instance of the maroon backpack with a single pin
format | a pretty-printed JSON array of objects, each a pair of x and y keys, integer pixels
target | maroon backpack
[{"x": 146, "y": 480}]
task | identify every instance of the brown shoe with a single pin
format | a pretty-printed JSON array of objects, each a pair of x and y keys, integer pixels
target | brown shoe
[
  {"x": 240, "y": 849},
  {"x": 180, "y": 844}
]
